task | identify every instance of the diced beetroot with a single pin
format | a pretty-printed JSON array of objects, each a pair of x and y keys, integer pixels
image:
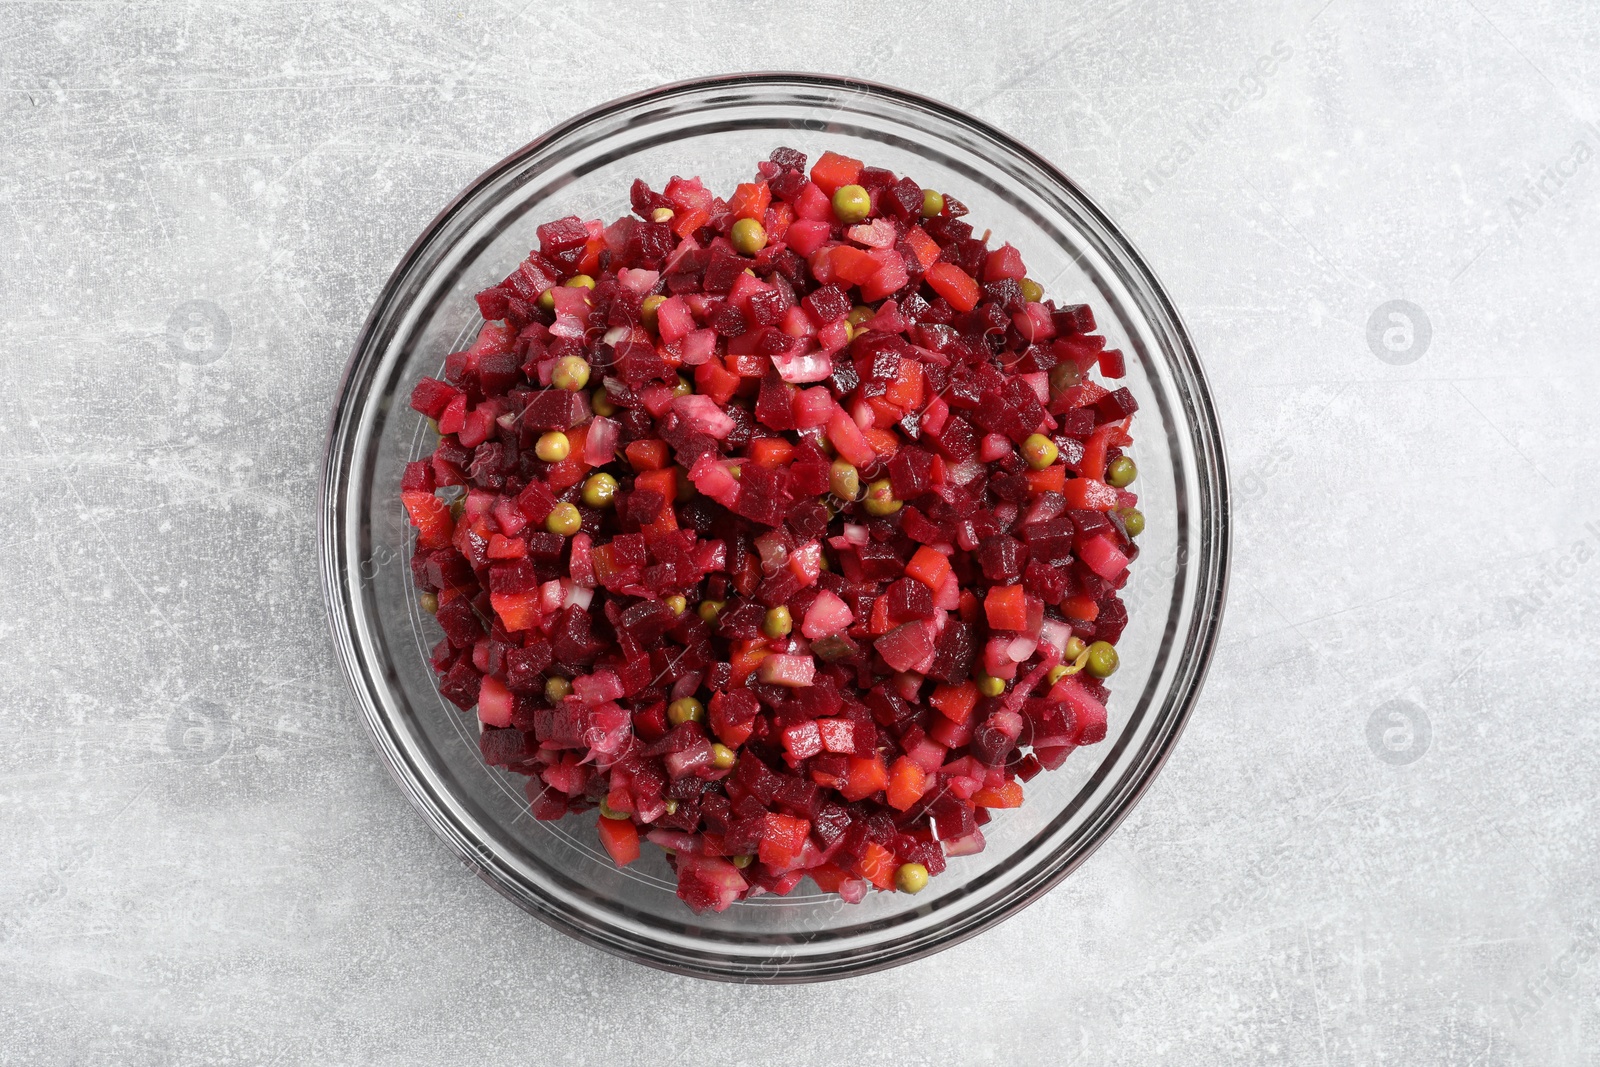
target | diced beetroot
[
  {"x": 707, "y": 883},
  {"x": 431, "y": 396}
]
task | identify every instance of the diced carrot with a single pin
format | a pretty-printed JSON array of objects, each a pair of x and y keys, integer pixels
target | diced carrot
[
  {"x": 1080, "y": 607},
  {"x": 924, "y": 248},
  {"x": 712, "y": 379},
  {"x": 771, "y": 452},
  {"x": 431, "y": 517},
  {"x": 905, "y": 392},
  {"x": 832, "y": 170},
  {"x": 663, "y": 481},
  {"x": 1008, "y": 795},
  {"x": 517, "y": 611},
  {"x": 589, "y": 262},
  {"x": 954, "y": 284},
  {"x": 503, "y": 547},
  {"x": 1006, "y": 608},
  {"x": 907, "y": 782},
  {"x": 783, "y": 839},
  {"x": 621, "y": 839},
  {"x": 566, "y": 474},
  {"x": 750, "y": 200},
  {"x": 879, "y": 622},
  {"x": 829, "y": 877},
  {"x": 954, "y": 702},
  {"x": 1049, "y": 480},
  {"x": 856, "y": 266},
  {"x": 1093, "y": 463},
  {"x": 884, "y": 413},
  {"x": 928, "y": 566},
  {"x": 1087, "y": 494},
  {"x": 577, "y": 440},
  {"x": 647, "y": 455},
  {"x": 866, "y": 776},
  {"x": 744, "y": 657},
  {"x": 690, "y": 220},
  {"x": 884, "y": 442},
  {"x": 877, "y": 865}
]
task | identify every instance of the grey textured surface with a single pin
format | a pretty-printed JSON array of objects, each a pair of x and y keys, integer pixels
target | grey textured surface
[{"x": 1378, "y": 840}]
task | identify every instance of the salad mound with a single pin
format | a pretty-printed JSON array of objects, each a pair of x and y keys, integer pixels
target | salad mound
[{"x": 785, "y": 530}]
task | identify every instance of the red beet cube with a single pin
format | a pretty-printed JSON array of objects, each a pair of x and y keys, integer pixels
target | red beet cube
[
  {"x": 909, "y": 599},
  {"x": 562, "y": 235}
]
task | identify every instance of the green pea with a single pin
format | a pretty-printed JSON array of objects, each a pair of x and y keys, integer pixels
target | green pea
[
  {"x": 557, "y": 689},
  {"x": 911, "y": 878},
  {"x": 1132, "y": 521},
  {"x": 722, "y": 757},
  {"x": 852, "y": 203},
  {"x": 564, "y": 519},
  {"x": 859, "y": 314},
  {"x": 571, "y": 374},
  {"x": 710, "y": 609},
  {"x": 685, "y": 709},
  {"x": 552, "y": 447},
  {"x": 676, "y": 604},
  {"x": 648, "y": 309},
  {"x": 662, "y": 214},
  {"x": 1075, "y": 648},
  {"x": 1122, "y": 472},
  {"x": 1102, "y": 660},
  {"x": 602, "y": 404},
  {"x": 741, "y": 861},
  {"x": 990, "y": 686},
  {"x": 579, "y": 281},
  {"x": 681, "y": 386},
  {"x": 778, "y": 622},
  {"x": 880, "y": 499},
  {"x": 1032, "y": 291},
  {"x": 1064, "y": 376},
  {"x": 547, "y": 300},
  {"x": 430, "y": 603},
  {"x": 599, "y": 490},
  {"x": 932, "y": 203},
  {"x": 1039, "y": 451},
  {"x": 844, "y": 480},
  {"x": 748, "y": 236}
]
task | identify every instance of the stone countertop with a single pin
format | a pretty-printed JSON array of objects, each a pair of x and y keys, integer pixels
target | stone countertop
[{"x": 1377, "y": 841}]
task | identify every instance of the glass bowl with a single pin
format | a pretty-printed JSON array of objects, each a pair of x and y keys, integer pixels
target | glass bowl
[{"x": 718, "y": 128}]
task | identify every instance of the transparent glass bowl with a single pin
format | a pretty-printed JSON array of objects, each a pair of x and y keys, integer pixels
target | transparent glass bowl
[{"x": 718, "y": 129}]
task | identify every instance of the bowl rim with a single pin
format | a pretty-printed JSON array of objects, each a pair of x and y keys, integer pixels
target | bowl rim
[{"x": 1211, "y": 586}]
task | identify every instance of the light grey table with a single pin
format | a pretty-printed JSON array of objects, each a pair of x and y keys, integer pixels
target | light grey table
[{"x": 1378, "y": 841}]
